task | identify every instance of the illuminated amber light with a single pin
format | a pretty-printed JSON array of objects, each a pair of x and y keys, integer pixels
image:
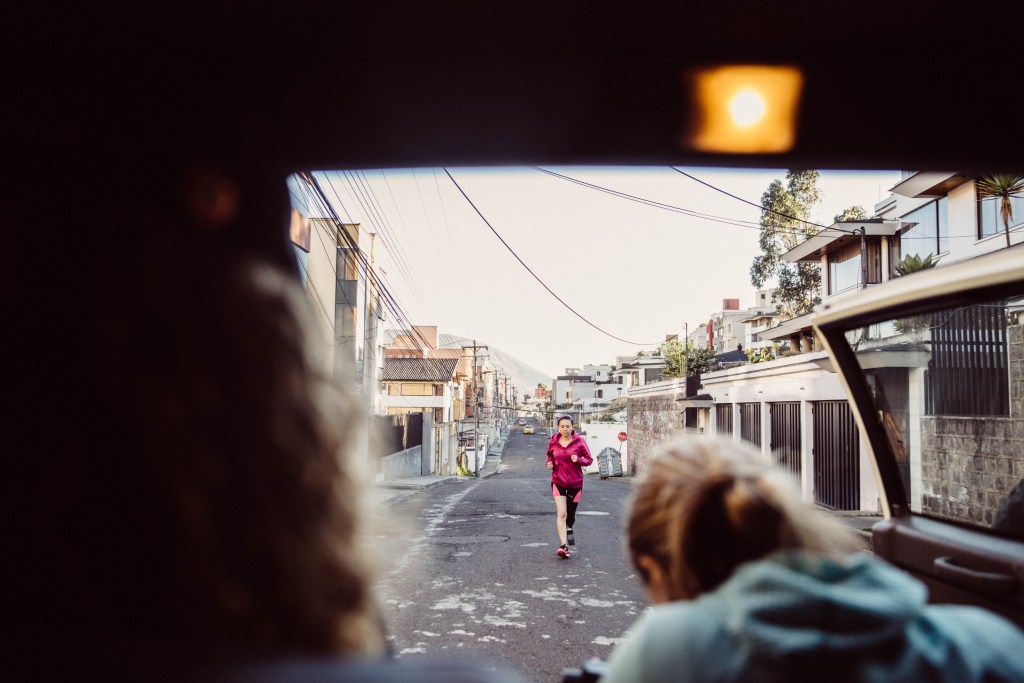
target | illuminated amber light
[{"x": 744, "y": 109}]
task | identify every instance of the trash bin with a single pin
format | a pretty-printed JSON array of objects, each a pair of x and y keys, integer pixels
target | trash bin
[{"x": 609, "y": 462}]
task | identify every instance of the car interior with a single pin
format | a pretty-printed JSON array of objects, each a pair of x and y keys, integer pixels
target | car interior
[
  {"x": 928, "y": 364},
  {"x": 106, "y": 107}
]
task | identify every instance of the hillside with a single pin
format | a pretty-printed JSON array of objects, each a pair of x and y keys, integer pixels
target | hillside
[{"x": 524, "y": 377}]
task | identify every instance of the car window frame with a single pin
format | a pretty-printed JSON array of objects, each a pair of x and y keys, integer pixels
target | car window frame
[{"x": 960, "y": 562}]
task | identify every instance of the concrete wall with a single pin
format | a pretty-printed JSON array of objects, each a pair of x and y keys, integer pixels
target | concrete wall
[{"x": 402, "y": 465}]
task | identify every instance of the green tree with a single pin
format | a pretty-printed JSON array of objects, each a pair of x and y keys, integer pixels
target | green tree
[
  {"x": 854, "y": 213},
  {"x": 693, "y": 360},
  {"x": 1004, "y": 186},
  {"x": 784, "y": 224},
  {"x": 675, "y": 357},
  {"x": 701, "y": 359}
]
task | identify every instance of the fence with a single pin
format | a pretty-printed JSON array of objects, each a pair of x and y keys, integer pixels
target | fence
[
  {"x": 785, "y": 435},
  {"x": 723, "y": 418},
  {"x": 836, "y": 456},
  {"x": 750, "y": 422},
  {"x": 967, "y": 374}
]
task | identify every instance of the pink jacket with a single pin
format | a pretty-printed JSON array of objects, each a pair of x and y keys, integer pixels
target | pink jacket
[{"x": 566, "y": 472}]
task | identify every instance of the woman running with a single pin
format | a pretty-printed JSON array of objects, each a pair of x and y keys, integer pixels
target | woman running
[{"x": 567, "y": 456}]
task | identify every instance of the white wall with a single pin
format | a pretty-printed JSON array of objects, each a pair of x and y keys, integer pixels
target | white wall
[
  {"x": 601, "y": 435},
  {"x": 320, "y": 277}
]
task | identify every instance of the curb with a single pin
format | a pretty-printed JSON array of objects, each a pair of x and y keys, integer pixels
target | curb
[{"x": 415, "y": 486}]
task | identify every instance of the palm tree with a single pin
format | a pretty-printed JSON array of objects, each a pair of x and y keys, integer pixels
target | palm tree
[
  {"x": 909, "y": 264},
  {"x": 1004, "y": 186},
  {"x": 912, "y": 263}
]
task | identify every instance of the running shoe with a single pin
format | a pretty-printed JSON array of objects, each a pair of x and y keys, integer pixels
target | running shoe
[
  {"x": 563, "y": 551},
  {"x": 572, "y": 539}
]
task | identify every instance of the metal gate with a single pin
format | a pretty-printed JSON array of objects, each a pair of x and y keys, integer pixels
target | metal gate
[
  {"x": 785, "y": 435},
  {"x": 723, "y": 418},
  {"x": 750, "y": 423},
  {"x": 967, "y": 372},
  {"x": 836, "y": 456}
]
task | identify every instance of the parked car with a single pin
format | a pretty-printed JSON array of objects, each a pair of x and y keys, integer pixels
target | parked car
[{"x": 933, "y": 364}]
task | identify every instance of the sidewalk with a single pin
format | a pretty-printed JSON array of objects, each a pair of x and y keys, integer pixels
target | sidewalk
[
  {"x": 859, "y": 522},
  {"x": 397, "y": 490}
]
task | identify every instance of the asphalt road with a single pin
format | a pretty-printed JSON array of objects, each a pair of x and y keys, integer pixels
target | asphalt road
[{"x": 469, "y": 569}]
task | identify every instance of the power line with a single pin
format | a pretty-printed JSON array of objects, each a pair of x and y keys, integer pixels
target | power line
[
  {"x": 535, "y": 276},
  {"x": 650, "y": 202},
  {"x": 364, "y": 271},
  {"x": 754, "y": 204}
]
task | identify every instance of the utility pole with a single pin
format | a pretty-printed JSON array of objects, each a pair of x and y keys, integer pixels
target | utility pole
[
  {"x": 686, "y": 354},
  {"x": 476, "y": 412}
]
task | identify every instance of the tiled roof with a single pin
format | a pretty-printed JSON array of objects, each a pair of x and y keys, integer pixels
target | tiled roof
[{"x": 418, "y": 369}]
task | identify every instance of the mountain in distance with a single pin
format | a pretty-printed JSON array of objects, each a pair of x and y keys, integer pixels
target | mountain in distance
[{"x": 525, "y": 378}]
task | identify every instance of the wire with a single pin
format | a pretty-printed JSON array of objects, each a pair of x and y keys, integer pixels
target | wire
[
  {"x": 759, "y": 206},
  {"x": 650, "y": 202},
  {"x": 535, "y": 276},
  {"x": 366, "y": 272},
  {"x": 364, "y": 269}
]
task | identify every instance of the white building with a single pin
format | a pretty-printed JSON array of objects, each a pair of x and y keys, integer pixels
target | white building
[
  {"x": 336, "y": 265},
  {"x": 794, "y": 408},
  {"x": 415, "y": 385},
  {"x": 637, "y": 371}
]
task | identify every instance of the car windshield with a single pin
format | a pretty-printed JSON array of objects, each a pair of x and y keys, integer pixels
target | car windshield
[{"x": 946, "y": 384}]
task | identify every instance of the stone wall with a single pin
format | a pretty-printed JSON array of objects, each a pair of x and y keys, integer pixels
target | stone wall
[
  {"x": 650, "y": 422},
  {"x": 968, "y": 465}
]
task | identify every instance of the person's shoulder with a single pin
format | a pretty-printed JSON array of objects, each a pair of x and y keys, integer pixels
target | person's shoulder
[
  {"x": 975, "y": 626},
  {"x": 663, "y": 644},
  {"x": 677, "y": 629},
  {"x": 374, "y": 671},
  {"x": 974, "y": 639}
]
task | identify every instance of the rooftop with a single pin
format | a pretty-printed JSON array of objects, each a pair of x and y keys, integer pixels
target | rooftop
[{"x": 418, "y": 369}]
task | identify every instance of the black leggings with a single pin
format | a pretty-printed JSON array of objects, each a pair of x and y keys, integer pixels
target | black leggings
[{"x": 572, "y": 500}]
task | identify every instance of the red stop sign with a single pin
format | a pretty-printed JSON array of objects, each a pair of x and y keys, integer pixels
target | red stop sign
[{"x": 622, "y": 436}]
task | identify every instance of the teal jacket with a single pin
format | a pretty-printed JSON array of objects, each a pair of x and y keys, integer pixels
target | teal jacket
[{"x": 801, "y": 617}]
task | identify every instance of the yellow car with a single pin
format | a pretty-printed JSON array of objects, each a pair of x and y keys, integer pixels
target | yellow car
[{"x": 528, "y": 429}]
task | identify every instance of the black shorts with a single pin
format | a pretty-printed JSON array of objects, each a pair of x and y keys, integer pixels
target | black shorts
[{"x": 567, "y": 491}]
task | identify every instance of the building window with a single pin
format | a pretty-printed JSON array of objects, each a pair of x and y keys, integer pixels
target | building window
[
  {"x": 989, "y": 220},
  {"x": 844, "y": 269},
  {"x": 929, "y": 233},
  {"x": 417, "y": 389}
]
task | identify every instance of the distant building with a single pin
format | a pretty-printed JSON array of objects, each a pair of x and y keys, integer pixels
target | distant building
[
  {"x": 414, "y": 385},
  {"x": 638, "y": 370},
  {"x": 421, "y": 341}
]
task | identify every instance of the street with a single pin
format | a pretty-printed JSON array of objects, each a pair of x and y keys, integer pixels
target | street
[{"x": 468, "y": 569}]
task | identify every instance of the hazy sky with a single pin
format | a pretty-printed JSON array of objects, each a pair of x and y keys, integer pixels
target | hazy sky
[{"x": 635, "y": 271}]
